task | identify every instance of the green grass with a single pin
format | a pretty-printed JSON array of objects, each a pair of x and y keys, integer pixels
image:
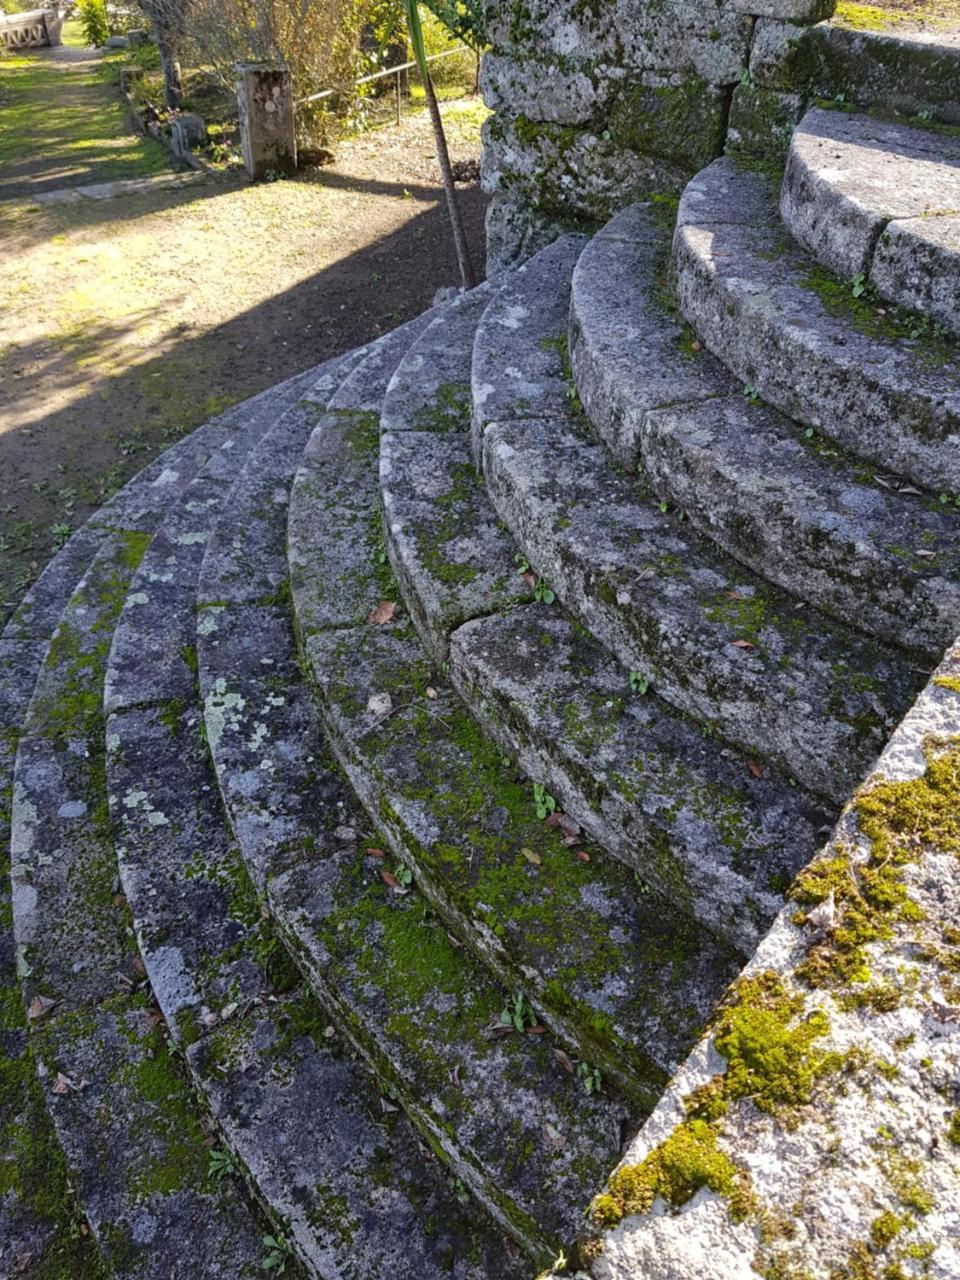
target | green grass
[{"x": 69, "y": 117}]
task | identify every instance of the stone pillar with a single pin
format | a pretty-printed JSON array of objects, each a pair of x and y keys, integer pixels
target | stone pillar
[
  {"x": 54, "y": 25},
  {"x": 265, "y": 99}
]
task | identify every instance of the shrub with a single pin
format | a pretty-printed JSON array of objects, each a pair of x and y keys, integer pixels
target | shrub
[{"x": 93, "y": 21}]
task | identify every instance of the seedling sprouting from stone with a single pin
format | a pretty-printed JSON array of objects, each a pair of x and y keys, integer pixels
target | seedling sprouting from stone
[
  {"x": 590, "y": 1077},
  {"x": 518, "y": 1014},
  {"x": 221, "y": 1164},
  {"x": 542, "y": 593},
  {"x": 543, "y": 801},
  {"x": 279, "y": 1253},
  {"x": 639, "y": 682}
]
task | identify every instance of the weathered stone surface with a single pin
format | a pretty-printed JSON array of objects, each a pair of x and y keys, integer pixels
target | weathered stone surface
[
  {"x": 761, "y": 122},
  {"x": 515, "y": 232},
  {"x": 629, "y": 349},
  {"x": 643, "y": 781},
  {"x": 451, "y": 557},
  {"x": 917, "y": 265},
  {"x": 319, "y": 1138},
  {"x": 804, "y": 516},
  {"x": 803, "y": 342},
  {"x": 566, "y": 91},
  {"x": 267, "y": 124},
  {"x": 516, "y": 1128},
  {"x": 97, "y": 1045},
  {"x": 518, "y": 354},
  {"x": 675, "y": 115},
  {"x": 854, "y": 1133},
  {"x": 711, "y": 638},
  {"x": 904, "y": 71},
  {"x": 430, "y": 390},
  {"x": 848, "y": 176},
  {"x": 338, "y": 473}
]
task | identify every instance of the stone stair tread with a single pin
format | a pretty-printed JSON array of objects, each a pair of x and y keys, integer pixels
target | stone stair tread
[
  {"x": 804, "y": 515},
  {"x": 331, "y": 478},
  {"x": 715, "y": 641},
  {"x": 216, "y": 967},
  {"x": 856, "y": 190},
  {"x": 430, "y": 388},
  {"x": 605, "y": 757},
  {"x": 808, "y": 347},
  {"x": 515, "y": 1127},
  {"x": 792, "y": 506},
  {"x": 519, "y": 347},
  {"x": 629, "y": 349},
  {"x": 103, "y": 1065},
  {"x": 25, "y": 1222},
  {"x": 210, "y": 954},
  {"x": 693, "y": 821}
]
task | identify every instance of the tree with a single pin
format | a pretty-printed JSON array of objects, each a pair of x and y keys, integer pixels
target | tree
[
  {"x": 169, "y": 19},
  {"x": 467, "y": 274}
]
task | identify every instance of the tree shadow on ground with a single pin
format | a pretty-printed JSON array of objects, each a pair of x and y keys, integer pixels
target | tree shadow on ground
[{"x": 99, "y": 438}]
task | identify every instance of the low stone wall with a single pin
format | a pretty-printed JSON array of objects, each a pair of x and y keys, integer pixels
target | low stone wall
[
  {"x": 598, "y": 103},
  {"x": 32, "y": 29}
]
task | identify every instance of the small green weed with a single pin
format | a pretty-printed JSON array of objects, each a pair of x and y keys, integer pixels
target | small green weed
[
  {"x": 542, "y": 592},
  {"x": 590, "y": 1077},
  {"x": 639, "y": 683},
  {"x": 403, "y": 874},
  {"x": 221, "y": 1164},
  {"x": 543, "y": 801},
  {"x": 518, "y": 1014},
  {"x": 279, "y": 1253}
]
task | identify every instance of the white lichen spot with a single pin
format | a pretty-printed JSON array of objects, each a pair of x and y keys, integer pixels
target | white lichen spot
[{"x": 137, "y": 597}]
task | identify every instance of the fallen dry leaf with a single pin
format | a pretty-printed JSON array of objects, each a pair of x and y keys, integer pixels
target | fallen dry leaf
[
  {"x": 553, "y": 819},
  {"x": 389, "y": 878},
  {"x": 385, "y": 612},
  {"x": 538, "y": 1030},
  {"x": 532, "y": 857},
  {"x": 571, "y": 827},
  {"x": 582, "y": 855},
  {"x": 530, "y": 579},
  {"x": 563, "y": 1059},
  {"x": 346, "y": 834},
  {"x": 736, "y": 595},
  {"x": 432, "y": 694},
  {"x": 744, "y": 644},
  {"x": 61, "y": 1085},
  {"x": 39, "y": 1007},
  {"x": 375, "y": 853},
  {"x": 755, "y": 768},
  {"x": 119, "y": 900}
]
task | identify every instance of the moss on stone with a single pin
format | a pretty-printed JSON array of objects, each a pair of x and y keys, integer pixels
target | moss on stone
[{"x": 675, "y": 1171}]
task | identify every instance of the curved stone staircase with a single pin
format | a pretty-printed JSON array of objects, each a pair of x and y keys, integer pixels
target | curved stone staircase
[{"x": 405, "y": 765}]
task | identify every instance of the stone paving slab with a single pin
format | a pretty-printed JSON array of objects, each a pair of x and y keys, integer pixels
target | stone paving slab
[{"x": 803, "y": 342}]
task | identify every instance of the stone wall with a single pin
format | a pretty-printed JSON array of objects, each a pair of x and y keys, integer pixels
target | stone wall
[{"x": 598, "y": 103}]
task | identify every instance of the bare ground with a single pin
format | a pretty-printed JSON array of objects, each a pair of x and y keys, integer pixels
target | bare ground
[{"x": 126, "y": 323}]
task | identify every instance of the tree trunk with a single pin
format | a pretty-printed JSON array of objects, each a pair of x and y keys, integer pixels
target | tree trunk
[
  {"x": 172, "y": 75},
  {"x": 453, "y": 207}
]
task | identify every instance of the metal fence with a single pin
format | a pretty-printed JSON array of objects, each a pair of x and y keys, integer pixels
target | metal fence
[{"x": 398, "y": 72}]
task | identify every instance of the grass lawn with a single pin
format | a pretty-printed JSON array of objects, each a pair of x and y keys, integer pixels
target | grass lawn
[{"x": 62, "y": 123}]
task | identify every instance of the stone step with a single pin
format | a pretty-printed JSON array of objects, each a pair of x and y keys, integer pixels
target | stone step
[
  {"x": 813, "y": 520},
  {"x": 879, "y": 201},
  {"x": 512, "y": 1121},
  {"x": 452, "y": 559},
  {"x": 623, "y": 767},
  {"x": 100, "y": 1050},
  {"x": 782, "y": 500},
  {"x": 520, "y": 351},
  {"x": 711, "y": 638},
  {"x": 799, "y": 339},
  {"x": 257, "y": 1045},
  {"x": 30, "y": 1231}
]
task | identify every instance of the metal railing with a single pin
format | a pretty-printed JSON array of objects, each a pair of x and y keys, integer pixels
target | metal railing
[{"x": 396, "y": 72}]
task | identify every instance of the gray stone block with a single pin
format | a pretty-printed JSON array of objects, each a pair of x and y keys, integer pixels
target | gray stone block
[{"x": 917, "y": 265}]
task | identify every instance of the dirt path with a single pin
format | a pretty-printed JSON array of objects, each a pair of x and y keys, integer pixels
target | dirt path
[{"x": 125, "y": 323}]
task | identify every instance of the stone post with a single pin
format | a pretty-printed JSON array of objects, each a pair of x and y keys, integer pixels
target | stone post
[{"x": 265, "y": 99}]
